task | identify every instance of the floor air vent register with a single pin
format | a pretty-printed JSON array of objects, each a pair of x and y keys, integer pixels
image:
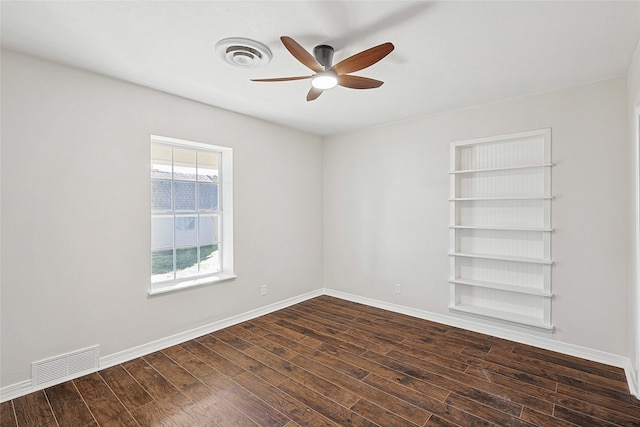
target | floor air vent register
[{"x": 64, "y": 367}]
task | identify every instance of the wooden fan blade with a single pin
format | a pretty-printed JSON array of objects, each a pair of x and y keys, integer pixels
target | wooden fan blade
[
  {"x": 357, "y": 82},
  {"x": 363, "y": 59},
  {"x": 282, "y": 79},
  {"x": 314, "y": 93},
  {"x": 301, "y": 54}
]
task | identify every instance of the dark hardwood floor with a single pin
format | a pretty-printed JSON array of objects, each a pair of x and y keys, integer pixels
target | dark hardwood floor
[{"x": 328, "y": 362}]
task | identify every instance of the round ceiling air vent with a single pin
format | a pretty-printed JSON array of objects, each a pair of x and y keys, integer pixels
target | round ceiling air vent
[{"x": 243, "y": 53}]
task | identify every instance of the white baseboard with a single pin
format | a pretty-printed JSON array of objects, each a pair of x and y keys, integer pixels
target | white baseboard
[
  {"x": 132, "y": 353},
  {"x": 26, "y": 387},
  {"x": 523, "y": 338},
  {"x": 632, "y": 379},
  {"x": 16, "y": 390}
]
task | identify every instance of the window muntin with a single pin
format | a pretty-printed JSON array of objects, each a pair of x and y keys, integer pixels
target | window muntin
[{"x": 187, "y": 215}]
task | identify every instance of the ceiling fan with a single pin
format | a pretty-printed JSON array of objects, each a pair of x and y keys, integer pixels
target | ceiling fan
[{"x": 328, "y": 76}]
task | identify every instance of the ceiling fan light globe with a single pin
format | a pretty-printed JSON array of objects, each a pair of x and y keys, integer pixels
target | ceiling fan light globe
[{"x": 324, "y": 81}]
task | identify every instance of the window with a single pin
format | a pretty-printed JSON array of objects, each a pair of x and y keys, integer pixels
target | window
[{"x": 191, "y": 214}]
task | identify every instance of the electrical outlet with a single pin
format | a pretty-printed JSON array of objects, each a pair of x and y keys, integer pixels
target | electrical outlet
[
  {"x": 398, "y": 289},
  {"x": 263, "y": 290}
]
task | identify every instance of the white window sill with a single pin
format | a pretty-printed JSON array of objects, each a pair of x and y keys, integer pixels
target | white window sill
[{"x": 187, "y": 284}]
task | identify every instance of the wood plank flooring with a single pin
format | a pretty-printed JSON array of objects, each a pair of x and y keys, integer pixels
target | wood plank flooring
[{"x": 330, "y": 362}]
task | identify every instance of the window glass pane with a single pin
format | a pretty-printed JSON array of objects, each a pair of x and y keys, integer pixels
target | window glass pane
[
  {"x": 184, "y": 165},
  {"x": 208, "y": 232},
  {"x": 184, "y": 194},
  {"x": 186, "y": 211},
  {"x": 160, "y": 195},
  {"x": 186, "y": 232},
  {"x": 161, "y": 160},
  {"x": 208, "y": 166},
  {"x": 162, "y": 265},
  {"x": 207, "y": 196},
  {"x": 161, "y": 233},
  {"x": 186, "y": 262},
  {"x": 209, "y": 259}
]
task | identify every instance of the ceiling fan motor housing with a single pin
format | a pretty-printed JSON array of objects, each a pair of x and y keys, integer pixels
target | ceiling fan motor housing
[
  {"x": 338, "y": 74},
  {"x": 324, "y": 55}
]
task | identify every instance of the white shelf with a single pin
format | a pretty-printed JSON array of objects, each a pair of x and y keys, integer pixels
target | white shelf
[
  {"x": 501, "y": 227},
  {"x": 504, "y": 168},
  {"x": 516, "y": 189},
  {"x": 502, "y": 287},
  {"x": 471, "y": 199},
  {"x": 502, "y": 315},
  {"x": 529, "y": 260}
]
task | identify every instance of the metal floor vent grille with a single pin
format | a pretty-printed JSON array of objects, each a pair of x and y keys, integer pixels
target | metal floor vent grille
[{"x": 65, "y": 366}]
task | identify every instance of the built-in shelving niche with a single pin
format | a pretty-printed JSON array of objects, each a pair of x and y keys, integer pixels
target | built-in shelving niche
[{"x": 500, "y": 228}]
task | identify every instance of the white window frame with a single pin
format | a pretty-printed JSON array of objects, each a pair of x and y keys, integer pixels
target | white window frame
[
  {"x": 225, "y": 190},
  {"x": 636, "y": 277}
]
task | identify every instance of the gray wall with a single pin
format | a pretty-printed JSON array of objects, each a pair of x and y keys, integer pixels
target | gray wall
[
  {"x": 75, "y": 213},
  {"x": 356, "y": 212},
  {"x": 386, "y": 211}
]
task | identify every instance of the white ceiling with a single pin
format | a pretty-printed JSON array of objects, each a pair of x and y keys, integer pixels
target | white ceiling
[{"x": 448, "y": 55}]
